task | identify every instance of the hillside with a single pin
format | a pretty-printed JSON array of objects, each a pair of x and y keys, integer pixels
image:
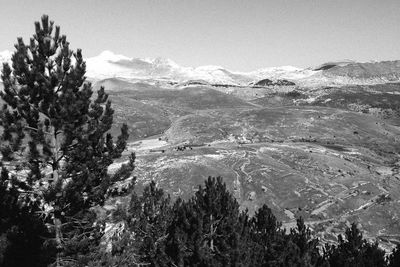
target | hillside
[
  {"x": 321, "y": 143},
  {"x": 385, "y": 71},
  {"x": 304, "y": 152}
]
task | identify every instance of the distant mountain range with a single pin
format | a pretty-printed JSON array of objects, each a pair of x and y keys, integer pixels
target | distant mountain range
[{"x": 160, "y": 70}]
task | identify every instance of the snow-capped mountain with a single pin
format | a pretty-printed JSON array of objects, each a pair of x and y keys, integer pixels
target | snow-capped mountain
[
  {"x": 108, "y": 64},
  {"x": 111, "y": 65}
]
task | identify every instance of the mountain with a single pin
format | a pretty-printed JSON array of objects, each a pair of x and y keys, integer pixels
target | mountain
[
  {"x": 385, "y": 71},
  {"x": 109, "y": 65},
  {"x": 166, "y": 72},
  {"x": 332, "y": 64},
  {"x": 337, "y": 73}
]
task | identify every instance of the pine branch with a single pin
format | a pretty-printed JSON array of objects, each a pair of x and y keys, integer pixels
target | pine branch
[
  {"x": 61, "y": 82},
  {"x": 35, "y": 129}
]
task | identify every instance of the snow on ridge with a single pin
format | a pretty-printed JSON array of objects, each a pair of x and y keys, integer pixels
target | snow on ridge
[
  {"x": 110, "y": 65},
  {"x": 159, "y": 61}
]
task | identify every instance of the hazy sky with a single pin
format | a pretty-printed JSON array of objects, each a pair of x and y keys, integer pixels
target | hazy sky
[{"x": 239, "y": 35}]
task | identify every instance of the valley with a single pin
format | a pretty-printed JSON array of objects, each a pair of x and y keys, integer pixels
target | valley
[
  {"x": 322, "y": 143},
  {"x": 330, "y": 155}
]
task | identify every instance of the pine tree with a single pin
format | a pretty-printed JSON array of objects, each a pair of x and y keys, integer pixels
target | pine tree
[
  {"x": 394, "y": 258},
  {"x": 21, "y": 234},
  {"x": 150, "y": 217},
  {"x": 206, "y": 230},
  {"x": 56, "y": 139},
  {"x": 306, "y": 246},
  {"x": 354, "y": 251},
  {"x": 266, "y": 237},
  {"x": 144, "y": 237}
]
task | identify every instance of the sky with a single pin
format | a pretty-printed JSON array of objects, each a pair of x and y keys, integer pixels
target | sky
[{"x": 239, "y": 35}]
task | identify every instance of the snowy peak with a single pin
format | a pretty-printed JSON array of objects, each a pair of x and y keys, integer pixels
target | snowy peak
[
  {"x": 154, "y": 70},
  {"x": 109, "y": 65},
  {"x": 160, "y": 61}
]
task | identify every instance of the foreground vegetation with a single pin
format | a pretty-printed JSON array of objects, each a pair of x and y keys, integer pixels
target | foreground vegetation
[
  {"x": 210, "y": 230},
  {"x": 56, "y": 150},
  {"x": 207, "y": 230}
]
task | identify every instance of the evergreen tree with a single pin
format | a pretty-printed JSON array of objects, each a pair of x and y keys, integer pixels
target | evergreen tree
[
  {"x": 267, "y": 239},
  {"x": 394, "y": 258},
  {"x": 151, "y": 217},
  {"x": 206, "y": 230},
  {"x": 306, "y": 247},
  {"x": 56, "y": 139},
  {"x": 355, "y": 251},
  {"x": 21, "y": 234},
  {"x": 143, "y": 241},
  {"x": 210, "y": 230}
]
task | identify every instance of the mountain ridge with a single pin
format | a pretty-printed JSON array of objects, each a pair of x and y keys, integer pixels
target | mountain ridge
[
  {"x": 335, "y": 73},
  {"x": 331, "y": 73}
]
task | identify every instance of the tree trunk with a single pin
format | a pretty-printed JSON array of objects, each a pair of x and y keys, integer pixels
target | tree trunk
[
  {"x": 211, "y": 233},
  {"x": 57, "y": 226},
  {"x": 57, "y": 212}
]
